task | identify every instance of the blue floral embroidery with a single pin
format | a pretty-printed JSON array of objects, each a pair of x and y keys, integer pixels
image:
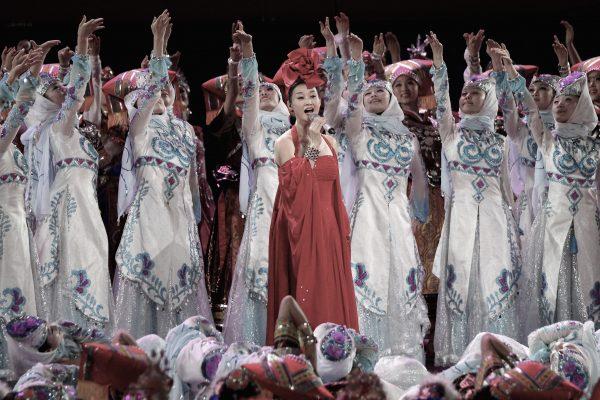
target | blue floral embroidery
[
  {"x": 88, "y": 149},
  {"x": 173, "y": 140},
  {"x": 385, "y": 146},
  {"x": 12, "y": 302},
  {"x": 20, "y": 161},
  {"x": 545, "y": 310},
  {"x": 475, "y": 147},
  {"x": 258, "y": 209},
  {"x": 572, "y": 155},
  {"x": 140, "y": 266},
  {"x": 4, "y": 228},
  {"x": 171, "y": 181},
  {"x": 367, "y": 296},
  {"x": 454, "y": 301},
  {"x": 80, "y": 283},
  {"x": 49, "y": 269},
  {"x": 532, "y": 147}
]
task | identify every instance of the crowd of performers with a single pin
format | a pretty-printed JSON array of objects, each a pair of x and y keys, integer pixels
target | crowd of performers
[{"x": 345, "y": 189}]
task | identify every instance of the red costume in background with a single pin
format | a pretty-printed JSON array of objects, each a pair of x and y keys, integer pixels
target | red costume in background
[{"x": 309, "y": 246}]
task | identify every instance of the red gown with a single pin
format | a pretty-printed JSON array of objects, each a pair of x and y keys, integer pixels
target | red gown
[{"x": 309, "y": 243}]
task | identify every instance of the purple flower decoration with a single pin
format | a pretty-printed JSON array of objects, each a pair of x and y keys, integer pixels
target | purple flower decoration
[
  {"x": 337, "y": 344},
  {"x": 573, "y": 371},
  {"x": 23, "y": 326},
  {"x": 361, "y": 274},
  {"x": 450, "y": 276},
  {"x": 595, "y": 294}
]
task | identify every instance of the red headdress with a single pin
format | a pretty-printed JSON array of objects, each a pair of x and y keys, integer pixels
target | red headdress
[
  {"x": 290, "y": 377},
  {"x": 593, "y": 64},
  {"x": 214, "y": 91},
  {"x": 120, "y": 86},
  {"x": 53, "y": 71},
  {"x": 301, "y": 64}
]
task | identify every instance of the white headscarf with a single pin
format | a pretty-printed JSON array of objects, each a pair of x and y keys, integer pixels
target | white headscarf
[
  {"x": 39, "y": 154},
  {"x": 335, "y": 351},
  {"x": 391, "y": 119},
  {"x": 584, "y": 118},
  {"x": 484, "y": 118}
]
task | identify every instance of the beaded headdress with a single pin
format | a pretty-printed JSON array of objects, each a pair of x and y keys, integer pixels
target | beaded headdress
[
  {"x": 28, "y": 330},
  {"x": 546, "y": 79},
  {"x": 571, "y": 85},
  {"x": 484, "y": 84}
]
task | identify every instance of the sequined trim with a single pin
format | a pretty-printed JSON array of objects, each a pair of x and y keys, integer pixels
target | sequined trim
[
  {"x": 384, "y": 168},
  {"x": 12, "y": 177},
  {"x": 263, "y": 162},
  {"x": 474, "y": 169},
  {"x": 77, "y": 163},
  {"x": 149, "y": 161}
]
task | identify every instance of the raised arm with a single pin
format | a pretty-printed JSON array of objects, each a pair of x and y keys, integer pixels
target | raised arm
[
  {"x": 356, "y": 78},
  {"x": 517, "y": 85},
  {"x": 439, "y": 74},
  {"x": 232, "y": 75},
  {"x": 64, "y": 62},
  {"x": 570, "y": 42},
  {"x": 342, "y": 24},
  {"x": 512, "y": 123},
  {"x": 473, "y": 47},
  {"x": 562, "y": 54},
  {"x": 250, "y": 83},
  {"x": 24, "y": 99},
  {"x": 78, "y": 78},
  {"x": 377, "y": 56},
  {"x": 159, "y": 78},
  {"x": 393, "y": 45},
  {"x": 333, "y": 70},
  {"x": 94, "y": 114}
]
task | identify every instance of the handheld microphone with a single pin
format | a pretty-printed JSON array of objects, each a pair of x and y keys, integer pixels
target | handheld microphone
[{"x": 326, "y": 128}]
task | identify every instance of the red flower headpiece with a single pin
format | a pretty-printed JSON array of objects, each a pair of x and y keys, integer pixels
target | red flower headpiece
[{"x": 301, "y": 64}]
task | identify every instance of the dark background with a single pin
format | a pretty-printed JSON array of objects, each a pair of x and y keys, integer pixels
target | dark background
[{"x": 202, "y": 29}]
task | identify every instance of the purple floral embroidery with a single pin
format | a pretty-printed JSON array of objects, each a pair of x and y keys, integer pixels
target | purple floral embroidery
[
  {"x": 337, "y": 344},
  {"x": 82, "y": 283},
  {"x": 573, "y": 371},
  {"x": 412, "y": 280},
  {"x": 361, "y": 275},
  {"x": 17, "y": 301},
  {"x": 595, "y": 294},
  {"x": 147, "y": 263},
  {"x": 503, "y": 280},
  {"x": 450, "y": 276},
  {"x": 182, "y": 274}
]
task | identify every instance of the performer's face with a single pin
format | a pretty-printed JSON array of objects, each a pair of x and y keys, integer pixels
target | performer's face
[
  {"x": 471, "y": 100},
  {"x": 56, "y": 93},
  {"x": 594, "y": 85},
  {"x": 304, "y": 102},
  {"x": 376, "y": 99},
  {"x": 406, "y": 90},
  {"x": 542, "y": 94},
  {"x": 563, "y": 107},
  {"x": 268, "y": 98}
]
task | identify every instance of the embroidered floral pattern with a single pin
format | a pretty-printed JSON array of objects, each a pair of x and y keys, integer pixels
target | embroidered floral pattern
[
  {"x": 576, "y": 155},
  {"x": 571, "y": 368},
  {"x": 480, "y": 146},
  {"x": 337, "y": 344},
  {"x": 454, "y": 301},
  {"x": 80, "y": 284},
  {"x": 4, "y": 228},
  {"x": 88, "y": 149},
  {"x": 49, "y": 269},
  {"x": 593, "y": 309},
  {"x": 12, "y": 302}
]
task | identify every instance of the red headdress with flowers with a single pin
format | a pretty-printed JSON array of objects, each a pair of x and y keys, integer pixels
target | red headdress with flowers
[{"x": 302, "y": 64}]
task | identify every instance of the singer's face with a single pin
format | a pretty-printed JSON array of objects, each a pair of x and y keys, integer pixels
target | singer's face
[
  {"x": 376, "y": 100},
  {"x": 268, "y": 98},
  {"x": 304, "y": 102}
]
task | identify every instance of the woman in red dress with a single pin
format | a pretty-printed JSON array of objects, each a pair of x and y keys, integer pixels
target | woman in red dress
[{"x": 309, "y": 247}]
